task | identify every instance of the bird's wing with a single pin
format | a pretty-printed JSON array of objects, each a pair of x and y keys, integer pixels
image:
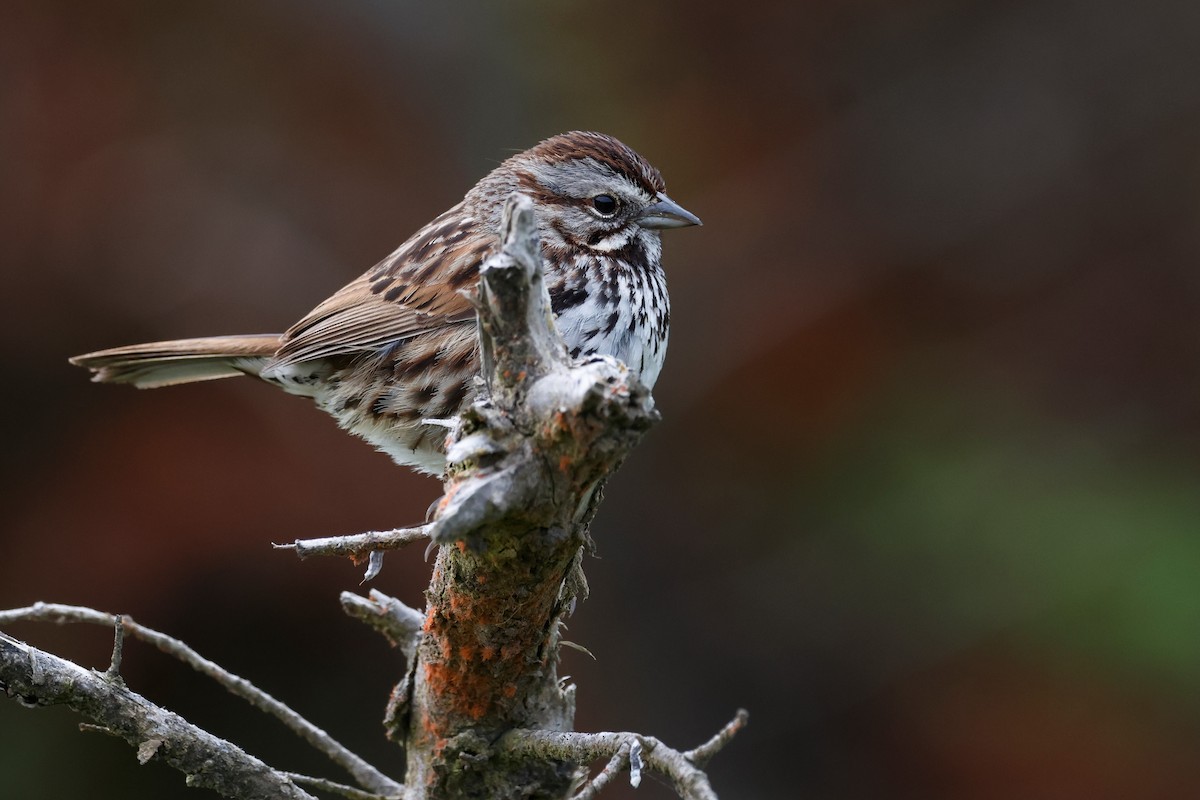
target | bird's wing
[{"x": 414, "y": 290}]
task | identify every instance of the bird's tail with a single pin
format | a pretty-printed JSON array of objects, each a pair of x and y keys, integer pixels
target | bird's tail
[{"x": 148, "y": 366}]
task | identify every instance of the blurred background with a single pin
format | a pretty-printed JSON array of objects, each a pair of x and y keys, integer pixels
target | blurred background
[{"x": 926, "y": 496}]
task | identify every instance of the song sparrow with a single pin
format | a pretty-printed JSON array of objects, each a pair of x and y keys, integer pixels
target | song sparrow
[{"x": 397, "y": 346}]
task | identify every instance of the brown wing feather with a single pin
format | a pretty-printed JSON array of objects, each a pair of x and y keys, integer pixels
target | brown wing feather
[{"x": 414, "y": 290}]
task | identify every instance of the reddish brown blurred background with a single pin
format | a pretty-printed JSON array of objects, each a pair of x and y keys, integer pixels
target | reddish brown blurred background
[{"x": 925, "y": 498}]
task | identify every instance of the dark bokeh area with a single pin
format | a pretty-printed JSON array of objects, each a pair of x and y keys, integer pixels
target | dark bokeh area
[{"x": 926, "y": 496}]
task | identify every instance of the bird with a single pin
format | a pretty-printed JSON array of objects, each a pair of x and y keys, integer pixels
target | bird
[{"x": 393, "y": 354}]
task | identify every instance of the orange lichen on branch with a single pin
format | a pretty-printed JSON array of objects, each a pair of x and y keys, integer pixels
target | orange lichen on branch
[
  {"x": 482, "y": 638},
  {"x": 459, "y": 605},
  {"x": 460, "y": 694}
]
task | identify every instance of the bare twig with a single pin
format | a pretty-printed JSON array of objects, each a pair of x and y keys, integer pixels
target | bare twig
[
  {"x": 359, "y": 545},
  {"x": 700, "y": 756},
  {"x": 206, "y": 760},
  {"x": 333, "y": 787},
  {"x": 362, "y": 772}
]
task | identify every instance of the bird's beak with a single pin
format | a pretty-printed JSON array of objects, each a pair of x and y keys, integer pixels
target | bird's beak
[{"x": 666, "y": 213}]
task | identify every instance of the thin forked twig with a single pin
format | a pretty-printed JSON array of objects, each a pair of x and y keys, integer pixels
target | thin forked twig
[
  {"x": 614, "y": 766},
  {"x": 688, "y": 778},
  {"x": 362, "y": 772}
]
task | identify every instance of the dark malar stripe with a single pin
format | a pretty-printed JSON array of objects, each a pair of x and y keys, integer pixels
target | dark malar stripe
[{"x": 634, "y": 254}]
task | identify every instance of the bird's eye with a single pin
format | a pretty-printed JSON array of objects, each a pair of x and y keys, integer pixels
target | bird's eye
[{"x": 605, "y": 204}]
